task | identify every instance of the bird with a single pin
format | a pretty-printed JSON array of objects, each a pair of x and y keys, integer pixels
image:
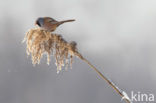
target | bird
[{"x": 50, "y": 24}]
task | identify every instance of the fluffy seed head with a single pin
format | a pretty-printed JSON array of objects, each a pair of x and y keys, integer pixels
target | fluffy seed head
[{"x": 41, "y": 42}]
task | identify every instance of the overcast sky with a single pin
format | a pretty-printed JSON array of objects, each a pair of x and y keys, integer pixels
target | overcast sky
[{"x": 117, "y": 36}]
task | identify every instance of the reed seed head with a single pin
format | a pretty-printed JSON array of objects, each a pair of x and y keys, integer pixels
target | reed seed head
[{"x": 41, "y": 42}]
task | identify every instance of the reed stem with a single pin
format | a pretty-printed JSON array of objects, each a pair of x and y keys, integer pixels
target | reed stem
[{"x": 103, "y": 77}]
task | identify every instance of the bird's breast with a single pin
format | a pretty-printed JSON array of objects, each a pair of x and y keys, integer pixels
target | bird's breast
[{"x": 50, "y": 27}]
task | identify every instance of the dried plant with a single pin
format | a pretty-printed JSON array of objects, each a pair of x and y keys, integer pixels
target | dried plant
[{"x": 41, "y": 42}]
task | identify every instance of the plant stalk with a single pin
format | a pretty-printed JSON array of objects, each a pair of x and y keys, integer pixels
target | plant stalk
[{"x": 103, "y": 77}]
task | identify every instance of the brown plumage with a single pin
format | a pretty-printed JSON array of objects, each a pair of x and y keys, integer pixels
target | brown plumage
[{"x": 50, "y": 24}]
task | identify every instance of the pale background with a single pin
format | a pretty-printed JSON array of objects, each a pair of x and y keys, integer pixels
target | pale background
[{"x": 117, "y": 36}]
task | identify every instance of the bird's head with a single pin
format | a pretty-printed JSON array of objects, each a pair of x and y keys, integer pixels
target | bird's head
[
  {"x": 44, "y": 20},
  {"x": 40, "y": 22}
]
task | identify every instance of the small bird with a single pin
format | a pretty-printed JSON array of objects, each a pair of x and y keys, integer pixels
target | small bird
[{"x": 49, "y": 24}]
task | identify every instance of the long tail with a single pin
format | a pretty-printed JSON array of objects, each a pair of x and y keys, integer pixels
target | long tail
[{"x": 61, "y": 22}]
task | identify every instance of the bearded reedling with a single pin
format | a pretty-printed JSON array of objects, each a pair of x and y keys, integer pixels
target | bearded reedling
[{"x": 41, "y": 41}]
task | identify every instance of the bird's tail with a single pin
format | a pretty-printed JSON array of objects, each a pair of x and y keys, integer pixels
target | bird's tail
[{"x": 61, "y": 22}]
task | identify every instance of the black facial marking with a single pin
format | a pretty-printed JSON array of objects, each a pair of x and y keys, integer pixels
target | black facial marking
[
  {"x": 40, "y": 22},
  {"x": 37, "y": 22}
]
